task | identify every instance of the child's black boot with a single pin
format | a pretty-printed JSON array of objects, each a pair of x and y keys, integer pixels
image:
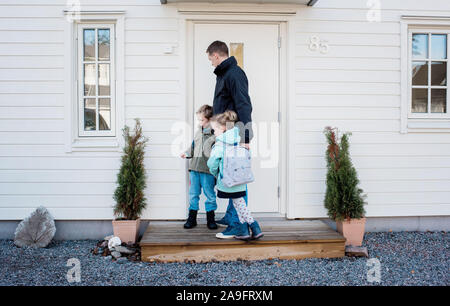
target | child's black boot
[
  {"x": 210, "y": 222},
  {"x": 192, "y": 219}
]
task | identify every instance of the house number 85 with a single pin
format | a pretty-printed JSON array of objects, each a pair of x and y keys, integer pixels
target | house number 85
[{"x": 316, "y": 44}]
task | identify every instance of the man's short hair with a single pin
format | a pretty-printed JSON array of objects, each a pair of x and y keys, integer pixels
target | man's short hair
[{"x": 218, "y": 47}]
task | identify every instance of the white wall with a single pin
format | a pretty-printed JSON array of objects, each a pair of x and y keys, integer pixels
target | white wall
[
  {"x": 356, "y": 87},
  {"x": 34, "y": 167}
]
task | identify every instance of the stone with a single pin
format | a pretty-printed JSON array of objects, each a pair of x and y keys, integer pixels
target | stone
[
  {"x": 356, "y": 251},
  {"x": 122, "y": 260},
  {"x": 113, "y": 242},
  {"x": 123, "y": 250},
  {"x": 37, "y": 230},
  {"x": 116, "y": 254},
  {"x": 107, "y": 257},
  {"x": 108, "y": 237},
  {"x": 104, "y": 244}
]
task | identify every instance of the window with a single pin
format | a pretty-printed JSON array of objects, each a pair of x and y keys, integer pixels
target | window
[
  {"x": 428, "y": 78},
  {"x": 96, "y": 80}
]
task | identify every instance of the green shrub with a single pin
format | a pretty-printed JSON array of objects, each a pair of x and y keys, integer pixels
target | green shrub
[
  {"x": 131, "y": 179},
  {"x": 343, "y": 199}
]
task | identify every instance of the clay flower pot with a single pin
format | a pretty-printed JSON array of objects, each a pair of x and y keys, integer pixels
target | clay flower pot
[
  {"x": 352, "y": 230},
  {"x": 126, "y": 230}
]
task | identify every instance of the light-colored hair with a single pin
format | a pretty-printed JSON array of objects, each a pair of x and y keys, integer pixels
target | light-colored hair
[{"x": 227, "y": 119}]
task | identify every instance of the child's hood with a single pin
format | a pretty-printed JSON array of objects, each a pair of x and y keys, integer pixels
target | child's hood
[{"x": 230, "y": 137}]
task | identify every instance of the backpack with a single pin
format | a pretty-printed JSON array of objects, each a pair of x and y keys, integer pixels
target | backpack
[{"x": 236, "y": 166}]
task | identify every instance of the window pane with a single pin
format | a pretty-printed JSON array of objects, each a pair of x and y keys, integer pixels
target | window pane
[
  {"x": 439, "y": 73},
  {"x": 103, "y": 80},
  {"x": 439, "y": 46},
  {"x": 237, "y": 50},
  {"x": 89, "y": 79},
  {"x": 89, "y": 44},
  {"x": 103, "y": 44},
  {"x": 104, "y": 108},
  {"x": 420, "y": 45},
  {"x": 89, "y": 114},
  {"x": 420, "y": 73},
  {"x": 419, "y": 100},
  {"x": 438, "y": 100}
]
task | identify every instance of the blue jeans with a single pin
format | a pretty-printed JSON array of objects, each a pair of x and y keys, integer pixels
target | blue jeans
[
  {"x": 198, "y": 181},
  {"x": 231, "y": 211}
]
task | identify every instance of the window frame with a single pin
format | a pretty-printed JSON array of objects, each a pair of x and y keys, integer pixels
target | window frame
[
  {"x": 112, "y": 73},
  {"x": 429, "y": 60},
  {"x": 74, "y": 143},
  {"x": 409, "y": 124}
]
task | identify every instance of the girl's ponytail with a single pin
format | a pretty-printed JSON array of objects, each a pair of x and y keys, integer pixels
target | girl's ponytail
[
  {"x": 230, "y": 116},
  {"x": 227, "y": 118}
]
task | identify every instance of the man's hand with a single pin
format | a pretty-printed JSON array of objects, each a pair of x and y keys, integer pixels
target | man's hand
[
  {"x": 183, "y": 155},
  {"x": 245, "y": 145}
]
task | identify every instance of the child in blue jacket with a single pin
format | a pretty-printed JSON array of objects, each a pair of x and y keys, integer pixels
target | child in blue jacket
[{"x": 227, "y": 134}]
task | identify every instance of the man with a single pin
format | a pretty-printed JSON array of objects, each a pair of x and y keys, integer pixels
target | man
[{"x": 231, "y": 93}]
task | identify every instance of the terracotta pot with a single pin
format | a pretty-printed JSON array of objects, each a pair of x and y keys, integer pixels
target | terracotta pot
[
  {"x": 352, "y": 230},
  {"x": 126, "y": 230}
]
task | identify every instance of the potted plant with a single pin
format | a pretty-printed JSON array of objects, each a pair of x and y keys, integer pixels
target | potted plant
[
  {"x": 131, "y": 180},
  {"x": 344, "y": 200}
]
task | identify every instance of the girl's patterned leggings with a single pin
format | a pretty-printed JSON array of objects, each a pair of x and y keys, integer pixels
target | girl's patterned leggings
[{"x": 242, "y": 211}]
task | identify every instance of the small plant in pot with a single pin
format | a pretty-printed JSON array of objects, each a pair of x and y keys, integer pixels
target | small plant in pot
[
  {"x": 131, "y": 180},
  {"x": 344, "y": 200}
]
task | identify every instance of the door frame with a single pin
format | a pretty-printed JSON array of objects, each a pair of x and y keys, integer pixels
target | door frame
[{"x": 286, "y": 91}]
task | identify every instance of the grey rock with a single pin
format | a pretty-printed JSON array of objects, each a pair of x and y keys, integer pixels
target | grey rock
[
  {"x": 123, "y": 249},
  {"x": 116, "y": 254},
  {"x": 122, "y": 260},
  {"x": 108, "y": 257},
  {"x": 104, "y": 244},
  {"x": 37, "y": 230},
  {"x": 356, "y": 251}
]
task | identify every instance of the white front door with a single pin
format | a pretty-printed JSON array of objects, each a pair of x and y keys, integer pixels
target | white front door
[{"x": 256, "y": 48}]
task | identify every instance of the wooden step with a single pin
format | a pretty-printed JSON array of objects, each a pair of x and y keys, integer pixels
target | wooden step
[{"x": 168, "y": 241}]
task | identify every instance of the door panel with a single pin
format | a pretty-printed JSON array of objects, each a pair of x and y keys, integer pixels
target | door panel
[{"x": 256, "y": 48}]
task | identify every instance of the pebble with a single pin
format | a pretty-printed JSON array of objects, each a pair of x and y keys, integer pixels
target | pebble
[
  {"x": 122, "y": 260},
  {"x": 123, "y": 250},
  {"x": 116, "y": 254}
]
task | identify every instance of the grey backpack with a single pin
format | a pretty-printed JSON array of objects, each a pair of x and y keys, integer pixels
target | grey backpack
[{"x": 236, "y": 166}]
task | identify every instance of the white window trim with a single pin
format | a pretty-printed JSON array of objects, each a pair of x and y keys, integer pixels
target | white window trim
[
  {"x": 415, "y": 122},
  {"x": 73, "y": 142}
]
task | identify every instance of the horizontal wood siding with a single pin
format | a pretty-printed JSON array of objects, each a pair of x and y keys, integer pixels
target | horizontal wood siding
[
  {"x": 356, "y": 87},
  {"x": 34, "y": 167}
]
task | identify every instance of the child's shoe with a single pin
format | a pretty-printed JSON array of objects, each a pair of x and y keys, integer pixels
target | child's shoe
[
  {"x": 243, "y": 232},
  {"x": 222, "y": 222},
  {"x": 192, "y": 219},
  {"x": 256, "y": 230},
  {"x": 210, "y": 222},
  {"x": 228, "y": 233}
]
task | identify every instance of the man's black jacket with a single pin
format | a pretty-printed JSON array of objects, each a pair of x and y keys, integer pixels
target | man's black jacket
[{"x": 231, "y": 93}]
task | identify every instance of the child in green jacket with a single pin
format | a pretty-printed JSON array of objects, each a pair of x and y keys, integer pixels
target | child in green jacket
[{"x": 199, "y": 174}]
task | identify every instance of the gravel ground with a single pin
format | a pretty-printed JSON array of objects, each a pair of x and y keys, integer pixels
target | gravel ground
[{"x": 406, "y": 258}]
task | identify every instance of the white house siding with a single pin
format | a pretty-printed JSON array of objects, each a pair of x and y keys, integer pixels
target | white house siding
[
  {"x": 34, "y": 167},
  {"x": 355, "y": 87}
]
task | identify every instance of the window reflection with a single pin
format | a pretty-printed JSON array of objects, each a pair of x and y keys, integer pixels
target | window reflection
[{"x": 420, "y": 45}]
